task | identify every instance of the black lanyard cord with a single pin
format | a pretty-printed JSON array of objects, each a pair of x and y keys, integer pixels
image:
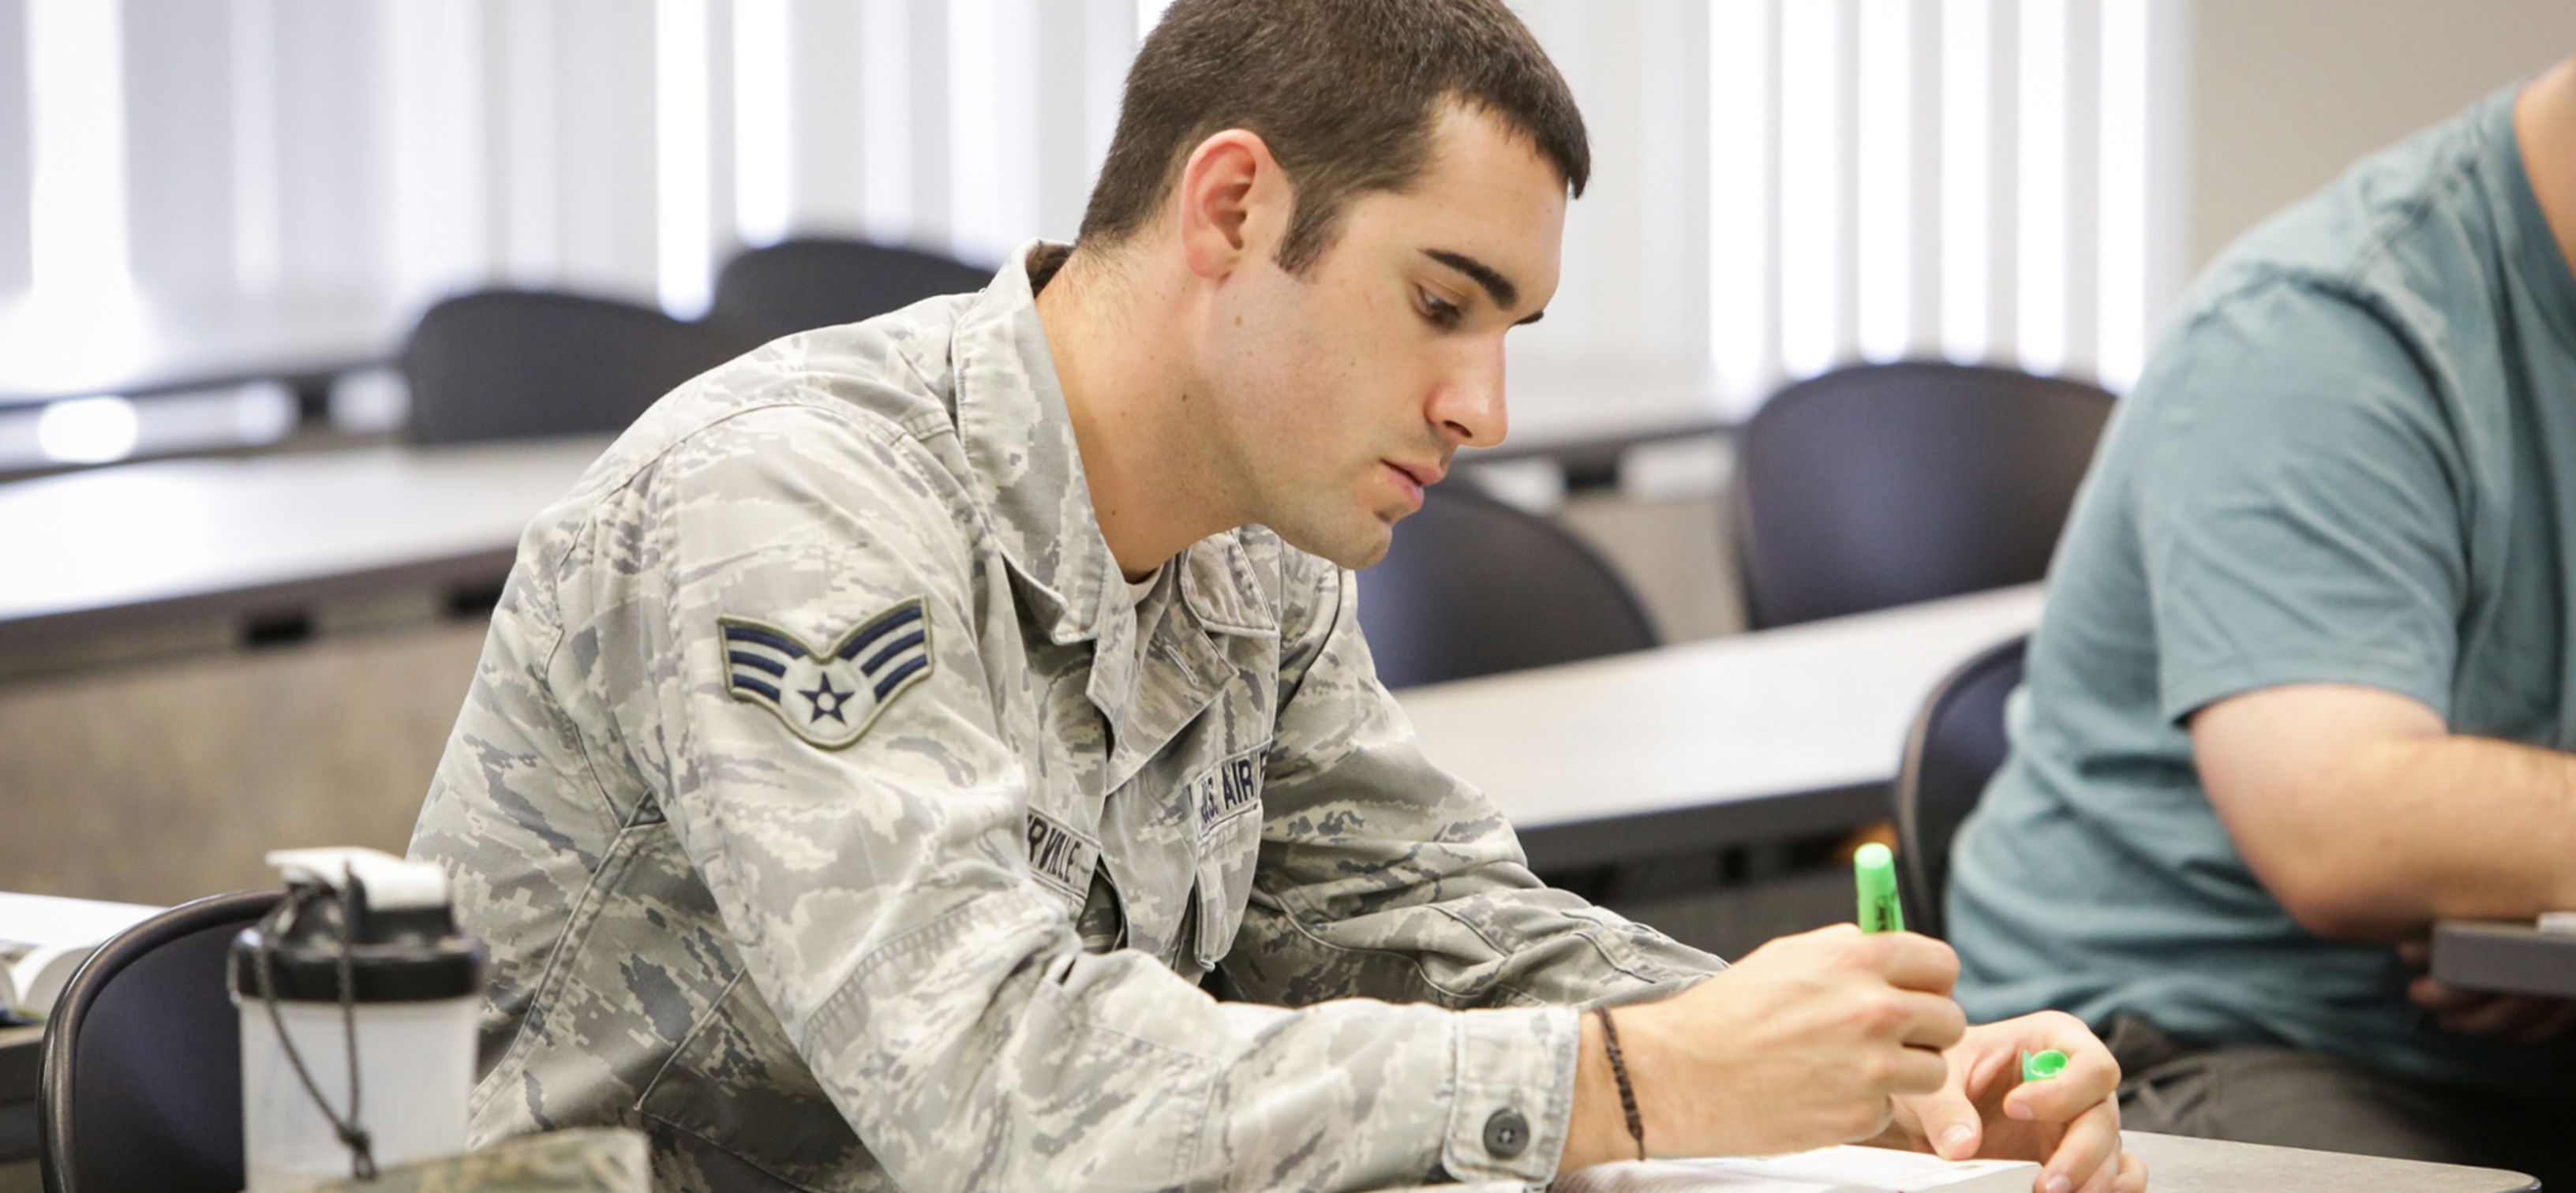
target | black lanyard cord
[{"x": 362, "y": 1157}]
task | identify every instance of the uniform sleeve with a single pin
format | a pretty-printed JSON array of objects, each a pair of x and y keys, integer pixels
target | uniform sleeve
[
  {"x": 2301, "y": 506},
  {"x": 1382, "y": 875},
  {"x": 880, "y": 891}
]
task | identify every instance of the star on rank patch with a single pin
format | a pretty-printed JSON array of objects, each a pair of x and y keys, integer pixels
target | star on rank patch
[{"x": 828, "y": 696}]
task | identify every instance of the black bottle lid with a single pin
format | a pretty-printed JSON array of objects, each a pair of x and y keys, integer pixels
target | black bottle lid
[{"x": 408, "y": 954}]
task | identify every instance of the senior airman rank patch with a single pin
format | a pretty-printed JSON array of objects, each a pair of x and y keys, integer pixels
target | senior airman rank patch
[{"x": 828, "y": 696}]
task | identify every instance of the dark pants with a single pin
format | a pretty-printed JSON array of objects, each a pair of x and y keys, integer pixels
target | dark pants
[{"x": 2292, "y": 1098}]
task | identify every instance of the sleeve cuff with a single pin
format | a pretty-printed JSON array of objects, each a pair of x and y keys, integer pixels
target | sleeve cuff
[
  {"x": 1512, "y": 1102},
  {"x": 2187, "y": 691}
]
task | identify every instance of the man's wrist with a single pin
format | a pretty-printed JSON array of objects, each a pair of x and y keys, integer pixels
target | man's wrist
[{"x": 1598, "y": 1132}]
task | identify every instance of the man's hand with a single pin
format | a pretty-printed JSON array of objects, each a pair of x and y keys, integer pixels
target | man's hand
[
  {"x": 2524, "y": 1019},
  {"x": 2070, "y": 1123},
  {"x": 1802, "y": 1044}
]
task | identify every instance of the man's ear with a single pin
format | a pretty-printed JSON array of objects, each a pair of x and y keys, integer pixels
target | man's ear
[{"x": 1233, "y": 202}]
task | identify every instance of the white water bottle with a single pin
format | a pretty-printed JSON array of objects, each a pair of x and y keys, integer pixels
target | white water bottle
[{"x": 363, "y": 952}]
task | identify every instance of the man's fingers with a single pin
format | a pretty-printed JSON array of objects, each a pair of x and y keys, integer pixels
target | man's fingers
[
  {"x": 1926, "y": 1020},
  {"x": 2133, "y": 1175},
  {"x": 2089, "y": 1150},
  {"x": 1911, "y": 962},
  {"x": 1920, "y": 1071},
  {"x": 2511, "y": 1017},
  {"x": 2088, "y": 1080},
  {"x": 2441, "y": 998},
  {"x": 1949, "y": 1120},
  {"x": 2493, "y": 1015}
]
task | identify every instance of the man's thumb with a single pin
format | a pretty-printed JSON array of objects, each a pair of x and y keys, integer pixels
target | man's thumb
[{"x": 1950, "y": 1122}]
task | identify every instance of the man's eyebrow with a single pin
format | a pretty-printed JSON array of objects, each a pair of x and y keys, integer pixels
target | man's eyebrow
[{"x": 1505, "y": 294}]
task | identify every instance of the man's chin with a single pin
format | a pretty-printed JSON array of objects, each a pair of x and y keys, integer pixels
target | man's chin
[{"x": 1355, "y": 545}]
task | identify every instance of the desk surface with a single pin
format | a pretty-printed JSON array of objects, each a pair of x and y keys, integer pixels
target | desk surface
[
  {"x": 89, "y": 549},
  {"x": 2179, "y": 1164},
  {"x": 2507, "y": 957},
  {"x": 1724, "y": 741},
  {"x": 49, "y": 353}
]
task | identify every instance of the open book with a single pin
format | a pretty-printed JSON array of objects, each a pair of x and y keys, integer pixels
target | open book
[
  {"x": 43, "y": 938},
  {"x": 1825, "y": 1170}
]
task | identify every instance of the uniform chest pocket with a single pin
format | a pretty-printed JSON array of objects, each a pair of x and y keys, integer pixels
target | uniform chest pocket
[{"x": 1226, "y": 799}]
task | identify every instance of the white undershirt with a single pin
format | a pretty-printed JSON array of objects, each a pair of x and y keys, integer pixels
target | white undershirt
[{"x": 1136, "y": 589}]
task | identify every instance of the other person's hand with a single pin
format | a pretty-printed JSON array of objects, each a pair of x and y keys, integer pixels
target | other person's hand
[
  {"x": 1801, "y": 1044},
  {"x": 2070, "y": 1123},
  {"x": 2524, "y": 1019}
]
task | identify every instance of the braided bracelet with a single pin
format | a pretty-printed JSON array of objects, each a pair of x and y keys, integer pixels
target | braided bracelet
[{"x": 1619, "y": 1073}]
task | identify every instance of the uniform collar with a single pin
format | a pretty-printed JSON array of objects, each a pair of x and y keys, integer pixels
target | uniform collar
[{"x": 1027, "y": 468}]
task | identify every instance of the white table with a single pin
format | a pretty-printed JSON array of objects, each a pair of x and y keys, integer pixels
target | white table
[
  {"x": 2179, "y": 1164},
  {"x": 1731, "y": 740},
  {"x": 105, "y": 550},
  {"x": 2509, "y": 957},
  {"x": 165, "y": 346}
]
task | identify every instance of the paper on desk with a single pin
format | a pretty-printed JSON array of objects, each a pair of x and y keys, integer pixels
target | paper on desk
[
  {"x": 1842, "y": 1169},
  {"x": 43, "y": 938}
]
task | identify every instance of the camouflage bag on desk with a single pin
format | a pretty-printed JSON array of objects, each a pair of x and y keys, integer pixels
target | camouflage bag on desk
[{"x": 598, "y": 1160}]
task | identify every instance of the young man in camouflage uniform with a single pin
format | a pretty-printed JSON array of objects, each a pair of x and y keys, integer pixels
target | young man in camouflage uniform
[{"x": 889, "y": 753}]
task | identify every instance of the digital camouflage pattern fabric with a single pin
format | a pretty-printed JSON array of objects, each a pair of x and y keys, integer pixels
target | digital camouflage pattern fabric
[
  {"x": 588, "y": 1160},
  {"x": 971, "y": 937}
]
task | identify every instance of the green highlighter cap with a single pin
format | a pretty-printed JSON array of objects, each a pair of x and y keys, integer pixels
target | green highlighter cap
[
  {"x": 1874, "y": 869},
  {"x": 2040, "y": 1066}
]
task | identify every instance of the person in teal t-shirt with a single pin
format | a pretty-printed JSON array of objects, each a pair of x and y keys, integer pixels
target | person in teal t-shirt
[{"x": 2306, "y": 681}]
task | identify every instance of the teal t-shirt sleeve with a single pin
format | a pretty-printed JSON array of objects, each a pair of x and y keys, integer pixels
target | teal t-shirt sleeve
[{"x": 2300, "y": 506}]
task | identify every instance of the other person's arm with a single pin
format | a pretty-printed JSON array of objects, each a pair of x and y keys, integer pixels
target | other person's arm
[{"x": 2368, "y": 819}]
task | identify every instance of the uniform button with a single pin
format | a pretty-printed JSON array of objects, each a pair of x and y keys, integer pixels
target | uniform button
[{"x": 1506, "y": 1134}]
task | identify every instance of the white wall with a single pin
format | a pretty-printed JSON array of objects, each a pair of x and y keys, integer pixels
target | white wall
[{"x": 2288, "y": 92}]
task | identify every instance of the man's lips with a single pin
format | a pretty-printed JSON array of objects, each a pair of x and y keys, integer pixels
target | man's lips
[
  {"x": 1414, "y": 478},
  {"x": 1423, "y": 476}
]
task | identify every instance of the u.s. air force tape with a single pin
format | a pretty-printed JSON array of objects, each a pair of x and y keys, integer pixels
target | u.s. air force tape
[{"x": 828, "y": 695}]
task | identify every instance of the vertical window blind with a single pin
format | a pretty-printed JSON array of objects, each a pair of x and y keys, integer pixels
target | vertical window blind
[{"x": 1782, "y": 186}]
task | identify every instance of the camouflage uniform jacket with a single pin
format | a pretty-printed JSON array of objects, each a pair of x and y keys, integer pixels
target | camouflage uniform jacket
[{"x": 837, "y": 816}]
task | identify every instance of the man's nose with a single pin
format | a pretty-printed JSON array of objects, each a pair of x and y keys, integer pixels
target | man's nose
[{"x": 1468, "y": 405}]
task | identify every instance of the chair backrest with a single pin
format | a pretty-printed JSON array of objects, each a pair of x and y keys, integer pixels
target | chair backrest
[
  {"x": 519, "y": 364},
  {"x": 1884, "y": 485},
  {"x": 1472, "y": 587},
  {"x": 1955, "y": 746},
  {"x": 795, "y": 285},
  {"x": 141, "y": 1089}
]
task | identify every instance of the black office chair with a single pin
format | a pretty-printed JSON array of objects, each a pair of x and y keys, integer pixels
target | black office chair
[
  {"x": 141, "y": 1086},
  {"x": 518, "y": 364},
  {"x": 812, "y": 282},
  {"x": 1954, "y": 748},
  {"x": 1472, "y": 587},
  {"x": 1883, "y": 485}
]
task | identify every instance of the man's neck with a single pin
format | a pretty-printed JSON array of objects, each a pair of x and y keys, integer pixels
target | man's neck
[
  {"x": 1119, "y": 341},
  {"x": 2544, "y": 125}
]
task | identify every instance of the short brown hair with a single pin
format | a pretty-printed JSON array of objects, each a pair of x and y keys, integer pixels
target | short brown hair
[{"x": 1344, "y": 92}]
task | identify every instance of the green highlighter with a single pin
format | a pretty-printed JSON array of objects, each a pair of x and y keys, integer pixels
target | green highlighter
[
  {"x": 1874, "y": 869},
  {"x": 1874, "y": 872}
]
